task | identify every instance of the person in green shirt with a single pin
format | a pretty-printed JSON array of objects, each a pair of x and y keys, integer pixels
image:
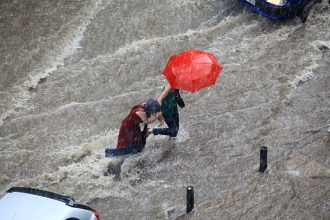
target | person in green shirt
[{"x": 169, "y": 112}]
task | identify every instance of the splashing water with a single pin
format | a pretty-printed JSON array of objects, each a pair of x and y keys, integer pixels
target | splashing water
[{"x": 71, "y": 71}]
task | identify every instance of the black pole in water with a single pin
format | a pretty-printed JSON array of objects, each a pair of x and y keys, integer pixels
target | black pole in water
[
  {"x": 190, "y": 199},
  {"x": 263, "y": 159}
]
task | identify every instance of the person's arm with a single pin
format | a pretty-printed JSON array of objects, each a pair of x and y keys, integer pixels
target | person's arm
[
  {"x": 151, "y": 119},
  {"x": 143, "y": 116},
  {"x": 146, "y": 120},
  {"x": 164, "y": 93},
  {"x": 161, "y": 119}
]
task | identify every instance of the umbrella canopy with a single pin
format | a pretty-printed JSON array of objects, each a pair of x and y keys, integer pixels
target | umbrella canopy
[{"x": 192, "y": 70}]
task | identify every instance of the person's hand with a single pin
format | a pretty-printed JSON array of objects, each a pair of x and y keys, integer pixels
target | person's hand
[
  {"x": 160, "y": 119},
  {"x": 161, "y": 124}
]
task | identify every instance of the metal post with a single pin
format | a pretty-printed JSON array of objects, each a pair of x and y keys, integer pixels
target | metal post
[
  {"x": 263, "y": 159},
  {"x": 190, "y": 199}
]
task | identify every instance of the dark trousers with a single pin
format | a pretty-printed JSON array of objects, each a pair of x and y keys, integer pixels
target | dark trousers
[
  {"x": 129, "y": 149},
  {"x": 173, "y": 126}
]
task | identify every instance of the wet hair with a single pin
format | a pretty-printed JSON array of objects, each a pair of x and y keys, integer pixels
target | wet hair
[{"x": 151, "y": 107}]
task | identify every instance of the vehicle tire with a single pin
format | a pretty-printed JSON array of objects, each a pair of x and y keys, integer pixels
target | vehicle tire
[{"x": 305, "y": 11}]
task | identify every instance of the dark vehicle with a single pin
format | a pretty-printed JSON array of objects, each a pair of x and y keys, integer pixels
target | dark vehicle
[
  {"x": 282, "y": 9},
  {"x": 21, "y": 203}
]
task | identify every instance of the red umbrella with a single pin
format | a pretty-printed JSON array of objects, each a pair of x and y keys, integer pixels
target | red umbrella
[{"x": 192, "y": 70}]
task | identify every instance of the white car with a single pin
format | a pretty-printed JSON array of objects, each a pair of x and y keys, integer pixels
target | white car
[{"x": 22, "y": 203}]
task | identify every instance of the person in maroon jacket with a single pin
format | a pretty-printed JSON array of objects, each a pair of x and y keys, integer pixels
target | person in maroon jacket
[{"x": 134, "y": 129}]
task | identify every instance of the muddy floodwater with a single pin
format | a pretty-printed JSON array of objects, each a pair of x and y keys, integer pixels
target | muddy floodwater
[{"x": 70, "y": 71}]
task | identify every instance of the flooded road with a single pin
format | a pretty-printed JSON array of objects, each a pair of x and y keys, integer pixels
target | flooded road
[{"x": 71, "y": 71}]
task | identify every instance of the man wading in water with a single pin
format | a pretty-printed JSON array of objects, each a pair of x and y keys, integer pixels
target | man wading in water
[{"x": 170, "y": 99}]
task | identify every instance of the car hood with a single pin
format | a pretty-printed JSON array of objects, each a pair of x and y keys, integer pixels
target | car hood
[{"x": 21, "y": 206}]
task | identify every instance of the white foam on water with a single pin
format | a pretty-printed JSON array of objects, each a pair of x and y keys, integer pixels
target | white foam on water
[
  {"x": 314, "y": 53},
  {"x": 17, "y": 97},
  {"x": 293, "y": 172},
  {"x": 306, "y": 73},
  {"x": 183, "y": 134},
  {"x": 81, "y": 172},
  {"x": 140, "y": 45},
  {"x": 53, "y": 60},
  {"x": 78, "y": 177},
  {"x": 68, "y": 47}
]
